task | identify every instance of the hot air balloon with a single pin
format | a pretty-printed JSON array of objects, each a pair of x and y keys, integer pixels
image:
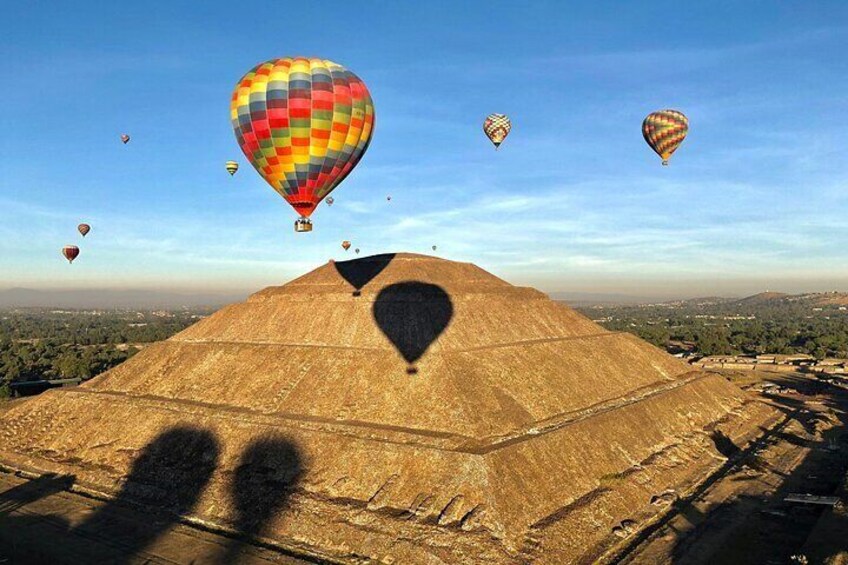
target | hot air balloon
[
  {"x": 330, "y": 201},
  {"x": 346, "y": 245},
  {"x": 125, "y": 138},
  {"x": 434, "y": 248},
  {"x": 303, "y": 124},
  {"x": 70, "y": 252},
  {"x": 496, "y": 127},
  {"x": 664, "y": 131},
  {"x": 84, "y": 229},
  {"x": 357, "y": 250},
  {"x": 232, "y": 167},
  {"x": 389, "y": 198}
]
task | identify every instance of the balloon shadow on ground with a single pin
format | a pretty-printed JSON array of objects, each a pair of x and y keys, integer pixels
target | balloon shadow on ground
[
  {"x": 34, "y": 490},
  {"x": 169, "y": 474},
  {"x": 359, "y": 272},
  {"x": 268, "y": 471},
  {"x": 412, "y": 314}
]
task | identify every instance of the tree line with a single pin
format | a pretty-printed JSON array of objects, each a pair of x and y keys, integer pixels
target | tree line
[
  {"x": 38, "y": 344},
  {"x": 775, "y": 328}
]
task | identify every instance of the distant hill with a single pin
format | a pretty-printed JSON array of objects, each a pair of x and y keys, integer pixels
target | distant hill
[
  {"x": 104, "y": 298},
  {"x": 766, "y": 296},
  {"x": 832, "y": 298},
  {"x": 592, "y": 298}
]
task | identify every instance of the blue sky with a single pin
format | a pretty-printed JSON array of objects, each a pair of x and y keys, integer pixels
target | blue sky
[{"x": 756, "y": 198}]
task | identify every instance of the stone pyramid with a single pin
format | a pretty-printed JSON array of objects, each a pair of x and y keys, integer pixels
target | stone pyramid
[{"x": 395, "y": 409}]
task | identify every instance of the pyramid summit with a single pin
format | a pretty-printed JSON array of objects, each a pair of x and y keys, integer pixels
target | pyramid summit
[{"x": 398, "y": 408}]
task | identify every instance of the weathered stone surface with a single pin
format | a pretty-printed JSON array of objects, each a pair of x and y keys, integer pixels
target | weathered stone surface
[{"x": 398, "y": 409}]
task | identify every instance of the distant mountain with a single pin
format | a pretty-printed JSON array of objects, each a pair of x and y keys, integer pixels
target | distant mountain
[
  {"x": 104, "y": 298},
  {"x": 593, "y": 298},
  {"x": 768, "y": 298}
]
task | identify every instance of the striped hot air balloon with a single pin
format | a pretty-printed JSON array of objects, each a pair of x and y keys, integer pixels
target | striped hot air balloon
[
  {"x": 346, "y": 245},
  {"x": 303, "y": 124},
  {"x": 84, "y": 229},
  {"x": 664, "y": 131},
  {"x": 496, "y": 127},
  {"x": 70, "y": 252},
  {"x": 232, "y": 167}
]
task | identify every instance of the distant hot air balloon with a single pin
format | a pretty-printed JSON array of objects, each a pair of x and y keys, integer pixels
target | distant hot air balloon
[
  {"x": 357, "y": 250},
  {"x": 389, "y": 198},
  {"x": 664, "y": 131},
  {"x": 70, "y": 252},
  {"x": 125, "y": 138},
  {"x": 330, "y": 201},
  {"x": 496, "y": 127},
  {"x": 303, "y": 124},
  {"x": 346, "y": 245},
  {"x": 434, "y": 248},
  {"x": 232, "y": 167},
  {"x": 84, "y": 229}
]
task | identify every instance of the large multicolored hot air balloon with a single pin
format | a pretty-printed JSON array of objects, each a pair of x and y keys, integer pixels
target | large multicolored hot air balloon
[
  {"x": 664, "y": 131},
  {"x": 303, "y": 124},
  {"x": 70, "y": 252},
  {"x": 125, "y": 138},
  {"x": 496, "y": 127},
  {"x": 232, "y": 167},
  {"x": 346, "y": 245},
  {"x": 84, "y": 229}
]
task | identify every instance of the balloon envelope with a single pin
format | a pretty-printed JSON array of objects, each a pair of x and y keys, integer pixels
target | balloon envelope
[
  {"x": 304, "y": 124},
  {"x": 232, "y": 167},
  {"x": 664, "y": 131},
  {"x": 357, "y": 250},
  {"x": 497, "y": 127},
  {"x": 70, "y": 252},
  {"x": 330, "y": 201},
  {"x": 125, "y": 138},
  {"x": 84, "y": 229},
  {"x": 346, "y": 245}
]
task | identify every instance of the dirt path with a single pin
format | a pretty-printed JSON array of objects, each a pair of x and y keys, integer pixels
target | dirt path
[{"x": 741, "y": 517}]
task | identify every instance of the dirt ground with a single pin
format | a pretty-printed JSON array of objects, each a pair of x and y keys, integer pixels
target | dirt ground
[
  {"x": 739, "y": 515},
  {"x": 42, "y": 523}
]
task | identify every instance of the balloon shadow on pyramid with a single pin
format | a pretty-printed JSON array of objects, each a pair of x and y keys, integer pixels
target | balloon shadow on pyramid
[
  {"x": 170, "y": 473},
  {"x": 359, "y": 272},
  {"x": 412, "y": 314},
  {"x": 268, "y": 471}
]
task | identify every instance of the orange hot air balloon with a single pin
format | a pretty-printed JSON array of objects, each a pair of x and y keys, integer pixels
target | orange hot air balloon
[
  {"x": 70, "y": 252},
  {"x": 664, "y": 131},
  {"x": 84, "y": 229},
  {"x": 125, "y": 138},
  {"x": 304, "y": 124},
  {"x": 346, "y": 245}
]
